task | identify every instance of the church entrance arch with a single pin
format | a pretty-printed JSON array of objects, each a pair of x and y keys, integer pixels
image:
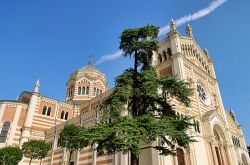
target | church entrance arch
[
  {"x": 218, "y": 146},
  {"x": 244, "y": 159}
]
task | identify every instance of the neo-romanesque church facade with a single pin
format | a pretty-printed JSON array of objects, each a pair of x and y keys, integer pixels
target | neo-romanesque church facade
[{"x": 220, "y": 140}]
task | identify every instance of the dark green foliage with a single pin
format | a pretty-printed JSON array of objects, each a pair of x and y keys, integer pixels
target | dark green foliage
[
  {"x": 140, "y": 42},
  {"x": 10, "y": 155},
  {"x": 68, "y": 138},
  {"x": 145, "y": 97},
  {"x": 123, "y": 136},
  {"x": 178, "y": 89},
  {"x": 35, "y": 149}
]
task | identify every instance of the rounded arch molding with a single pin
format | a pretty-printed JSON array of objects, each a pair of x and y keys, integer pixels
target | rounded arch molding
[{"x": 219, "y": 130}]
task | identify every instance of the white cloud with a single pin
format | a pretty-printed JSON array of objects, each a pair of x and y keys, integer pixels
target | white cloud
[
  {"x": 109, "y": 57},
  {"x": 165, "y": 29},
  {"x": 191, "y": 17}
]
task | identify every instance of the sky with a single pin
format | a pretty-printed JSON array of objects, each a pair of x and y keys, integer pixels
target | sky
[{"x": 48, "y": 40}]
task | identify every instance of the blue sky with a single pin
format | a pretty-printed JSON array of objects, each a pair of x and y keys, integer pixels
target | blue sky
[{"x": 48, "y": 40}]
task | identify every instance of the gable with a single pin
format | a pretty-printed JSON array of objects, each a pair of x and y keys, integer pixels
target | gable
[{"x": 195, "y": 54}]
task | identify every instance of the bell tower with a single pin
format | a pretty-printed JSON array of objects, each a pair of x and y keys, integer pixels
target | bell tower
[{"x": 181, "y": 56}]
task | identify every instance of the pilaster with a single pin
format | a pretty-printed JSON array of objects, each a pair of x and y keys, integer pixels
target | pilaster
[
  {"x": 14, "y": 125},
  {"x": 178, "y": 66},
  {"x": 2, "y": 108}
]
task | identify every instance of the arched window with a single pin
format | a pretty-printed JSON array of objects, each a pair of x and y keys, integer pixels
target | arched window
[
  {"x": 44, "y": 110},
  {"x": 48, "y": 111},
  {"x": 62, "y": 114},
  {"x": 97, "y": 93},
  {"x": 94, "y": 91},
  {"x": 66, "y": 116},
  {"x": 4, "y": 132},
  {"x": 169, "y": 52},
  {"x": 196, "y": 126},
  {"x": 87, "y": 90},
  {"x": 79, "y": 90},
  {"x": 83, "y": 91},
  {"x": 70, "y": 92},
  {"x": 159, "y": 58},
  {"x": 164, "y": 55},
  {"x": 100, "y": 91}
]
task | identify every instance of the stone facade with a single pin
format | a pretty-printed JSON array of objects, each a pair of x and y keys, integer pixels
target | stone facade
[{"x": 220, "y": 140}]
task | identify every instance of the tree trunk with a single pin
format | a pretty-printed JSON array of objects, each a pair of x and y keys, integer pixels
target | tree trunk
[
  {"x": 136, "y": 62},
  {"x": 134, "y": 160},
  {"x": 30, "y": 161},
  {"x": 70, "y": 154},
  {"x": 135, "y": 85}
]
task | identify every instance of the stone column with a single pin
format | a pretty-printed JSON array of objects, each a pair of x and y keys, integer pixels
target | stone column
[
  {"x": 122, "y": 159},
  {"x": 223, "y": 158},
  {"x": 224, "y": 155},
  {"x": 95, "y": 145},
  {"x": 214, "y": 153},
  {"x": 77, "y": 157},
  {"x": 29, "y": 115},
  {"x": 188, "y": 157},
  {"x": 175, "y": 160},
  {"x": 65, "y": 156}
]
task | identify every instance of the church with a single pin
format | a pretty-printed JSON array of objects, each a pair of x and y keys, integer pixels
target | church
[{"x": 220, "y": 140}]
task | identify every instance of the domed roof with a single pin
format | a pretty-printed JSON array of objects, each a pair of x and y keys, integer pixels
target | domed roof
[
  {"x": 89, "y": 71},
  {"x": 89, "y": 67}
]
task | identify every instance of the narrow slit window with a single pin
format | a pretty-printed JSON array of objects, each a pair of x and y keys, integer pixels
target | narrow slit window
[
  {"x": 79, "y": 90},
  {"x": 87, "y": 90},
  {"x": 66, "y": 116},
  {"x": 4, "y": 132},
  {"x": 49, "y": 111},
  {"x": 83, "y": 91},
  {"x": 44, "y": 110},
  {"x": 62, "y": 114}
]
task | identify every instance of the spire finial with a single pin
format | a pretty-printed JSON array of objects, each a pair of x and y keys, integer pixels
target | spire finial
[
  {"x": 206, "y": 53},
  {"x": 231, "y": 112},
  {"x": 189, "y": 30},
  {"x": 90, "y": 60},
  {"x": 172, "y": 25},
  {"x": 37, "y": 85}
]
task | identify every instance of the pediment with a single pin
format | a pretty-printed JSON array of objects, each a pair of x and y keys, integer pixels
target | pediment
[{"x": 211, "y": 115}]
